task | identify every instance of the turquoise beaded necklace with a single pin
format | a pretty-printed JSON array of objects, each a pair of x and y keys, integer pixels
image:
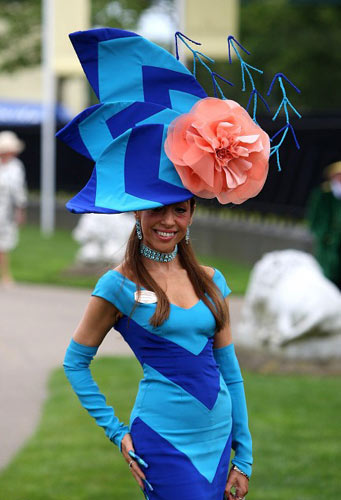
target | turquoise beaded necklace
[{"x": 157, "y": 256}]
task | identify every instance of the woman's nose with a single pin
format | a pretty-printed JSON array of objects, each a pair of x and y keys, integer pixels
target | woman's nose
[{"x": 168, "y": 217}]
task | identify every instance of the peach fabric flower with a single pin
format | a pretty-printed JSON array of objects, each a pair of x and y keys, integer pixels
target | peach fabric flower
[{"x": 219, "y": 151}]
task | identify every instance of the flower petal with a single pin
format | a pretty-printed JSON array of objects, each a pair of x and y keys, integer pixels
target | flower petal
[
  {"x": 193, "y": 155},
  {"x": 204, "y": 168},
  {"x": 219, "y": 151},
  {"x": 248, "y": 139}
]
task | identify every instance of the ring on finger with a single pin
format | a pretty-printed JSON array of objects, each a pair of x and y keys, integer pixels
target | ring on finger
[{"x": 131, "y": 464}]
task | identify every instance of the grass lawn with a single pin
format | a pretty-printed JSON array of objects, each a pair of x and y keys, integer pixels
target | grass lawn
[
  {"x": 46, "y": 260},
  {"x": 294, "y": 422}
]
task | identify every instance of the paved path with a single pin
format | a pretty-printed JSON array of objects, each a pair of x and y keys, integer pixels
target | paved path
[{"x": 36, "y": 323}]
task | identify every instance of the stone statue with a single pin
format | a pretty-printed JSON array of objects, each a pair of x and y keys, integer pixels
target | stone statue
[
  {"x": 289, "y": 299},
  {"x": 102, "y": 237}
]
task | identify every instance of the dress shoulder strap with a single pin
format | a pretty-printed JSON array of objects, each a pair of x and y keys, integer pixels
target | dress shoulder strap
[
  {"x": 219, "y": 280},
  {"x": 117, "y": 289}
]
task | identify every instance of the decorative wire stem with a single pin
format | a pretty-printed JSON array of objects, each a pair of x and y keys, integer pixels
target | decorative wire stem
[
  {"x": 199, "y": 56},
  {"x": 285, "y": 104},
  {"x": 245, "y": 69}
]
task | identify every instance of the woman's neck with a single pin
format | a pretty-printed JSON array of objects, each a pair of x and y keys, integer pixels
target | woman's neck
[{"x": 153, "y": 266}]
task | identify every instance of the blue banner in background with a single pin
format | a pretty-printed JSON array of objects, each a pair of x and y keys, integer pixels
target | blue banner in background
[{"x": 25, "y": 113}]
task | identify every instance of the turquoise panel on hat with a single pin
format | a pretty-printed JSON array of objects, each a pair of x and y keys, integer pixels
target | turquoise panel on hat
[
  {"x": 165, "y": 173},
  {"x": 110, "y": 170},
  {"x": 182, "y": 100},
  {"x": 164, "y": 117},
  {"x": 97, "y": 134},
  {"x": 121, "y": 64},
  {"x": 94, "y": 130}
]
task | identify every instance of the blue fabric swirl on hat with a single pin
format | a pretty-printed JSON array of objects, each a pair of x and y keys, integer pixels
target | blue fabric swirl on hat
[{"x": 142, "y": 88}]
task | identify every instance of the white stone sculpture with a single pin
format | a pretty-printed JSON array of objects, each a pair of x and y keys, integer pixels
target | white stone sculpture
[
  {"x": 102, "y": 237},
  {"x": 290, "y": 306}
]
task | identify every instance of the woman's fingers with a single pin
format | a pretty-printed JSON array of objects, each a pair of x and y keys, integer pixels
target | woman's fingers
[
  {"x": 135, "y": 462},
  {"x": 138, "y": 459},
  {"x": 137, "y": 473},
  {"x": 237, "y": 486}
]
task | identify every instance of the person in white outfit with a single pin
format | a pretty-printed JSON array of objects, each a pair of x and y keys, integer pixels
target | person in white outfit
[{"x": 13, "y": 198}]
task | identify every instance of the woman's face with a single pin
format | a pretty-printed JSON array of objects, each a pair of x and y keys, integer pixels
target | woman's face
[
  {"x": 6, "y": 157},
  {"x": 164, "y": 227},
  {"x": 336, "y": 178}
]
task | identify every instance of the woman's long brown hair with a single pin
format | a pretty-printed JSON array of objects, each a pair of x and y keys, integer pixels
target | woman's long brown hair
[{"x": 202, "y": 283}]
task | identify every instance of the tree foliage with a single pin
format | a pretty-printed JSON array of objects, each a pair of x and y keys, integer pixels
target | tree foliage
[
  {"x": 118, "y": 14},
  {"x": 300, "y": 39},
  {"x": 20, "y": 33},
  {"x": 20, "y": 26}
]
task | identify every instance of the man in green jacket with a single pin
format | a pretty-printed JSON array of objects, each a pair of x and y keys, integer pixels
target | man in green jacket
[{"x": 324, "y": 219}]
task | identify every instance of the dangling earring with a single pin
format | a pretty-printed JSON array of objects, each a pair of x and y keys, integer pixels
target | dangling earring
[
  {"x": 187, "y": 236},
  {"x": 138, "y": 229}
]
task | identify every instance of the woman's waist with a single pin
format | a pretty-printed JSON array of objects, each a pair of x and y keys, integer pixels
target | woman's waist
[{"x": 167, "y": 403}]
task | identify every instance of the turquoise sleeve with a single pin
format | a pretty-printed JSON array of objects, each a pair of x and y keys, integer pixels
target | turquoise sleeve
[
  {"x": 220, "y": 281},
  {"x": 241, "y": 438},
  {"x": 76, "y": 366}
]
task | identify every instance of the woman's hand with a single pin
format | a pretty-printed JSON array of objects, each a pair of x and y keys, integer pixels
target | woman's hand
[
  {"x": 239, "y": 482},
  {"x": 126, "y": 447},
  {"x": 20, "y": 216}
]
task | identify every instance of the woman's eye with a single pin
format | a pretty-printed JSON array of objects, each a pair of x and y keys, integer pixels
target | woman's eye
[{"x": 180, "y": 210}]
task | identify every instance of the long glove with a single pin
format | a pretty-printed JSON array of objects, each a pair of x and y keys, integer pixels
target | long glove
[
  {"x": 76, "y": 366},
  {"x": 241, "y": 438}
]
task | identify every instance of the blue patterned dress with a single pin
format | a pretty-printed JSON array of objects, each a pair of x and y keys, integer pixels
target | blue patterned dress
[{"x": 181, "y": 421}]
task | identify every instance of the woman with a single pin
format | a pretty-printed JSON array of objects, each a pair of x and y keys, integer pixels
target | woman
[
  {"x": 13, "y": 199},
  {"x": 324, "y": 219},
  {"x": 151, "y": 157}
]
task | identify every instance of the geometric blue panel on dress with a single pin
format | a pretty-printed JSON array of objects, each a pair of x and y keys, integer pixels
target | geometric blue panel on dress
[
  {"x": 169, "y": 411},
  {"x": 185, "y": 440},
  {"x": 171, "y": 472},
  {"x": 112, "y": 285},
  {"x": 175, "y": 362}
]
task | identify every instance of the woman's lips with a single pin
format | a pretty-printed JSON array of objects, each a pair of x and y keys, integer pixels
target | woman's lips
[{"x": 165, "y": 235}]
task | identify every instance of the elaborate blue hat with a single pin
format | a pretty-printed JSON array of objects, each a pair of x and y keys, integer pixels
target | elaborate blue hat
[
  {"x": 156, "y": 137},
  {"x": 142, "y": 88}
]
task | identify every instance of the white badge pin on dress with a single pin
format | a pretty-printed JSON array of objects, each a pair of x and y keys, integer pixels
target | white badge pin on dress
[{"x": 145, "y": 297}]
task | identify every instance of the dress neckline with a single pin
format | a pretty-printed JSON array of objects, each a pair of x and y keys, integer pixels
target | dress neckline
[{"x": 171, "y": 303}]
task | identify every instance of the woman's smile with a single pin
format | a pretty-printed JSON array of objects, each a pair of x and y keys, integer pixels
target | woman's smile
[{"x": 165, "y": 235}]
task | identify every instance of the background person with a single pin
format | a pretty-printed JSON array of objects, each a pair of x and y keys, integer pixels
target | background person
[
  {"x": 13, "y": 198},
  {"x": 324, "y": 219}
]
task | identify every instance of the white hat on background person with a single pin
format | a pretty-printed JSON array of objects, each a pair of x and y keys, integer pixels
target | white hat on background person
[{"x": 10, "y": 143}]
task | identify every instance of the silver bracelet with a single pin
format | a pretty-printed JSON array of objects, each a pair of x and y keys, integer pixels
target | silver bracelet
[{"x": 237, "y": 469}]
